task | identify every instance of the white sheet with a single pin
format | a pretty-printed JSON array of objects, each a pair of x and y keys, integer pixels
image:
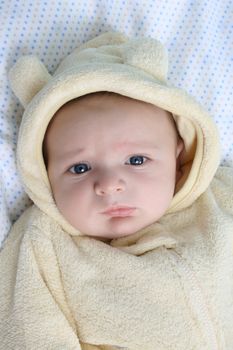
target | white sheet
[{"x": 198, "y": 35}]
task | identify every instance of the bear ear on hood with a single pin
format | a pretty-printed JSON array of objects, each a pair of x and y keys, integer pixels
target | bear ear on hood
[{"x": 27, "y": 77}]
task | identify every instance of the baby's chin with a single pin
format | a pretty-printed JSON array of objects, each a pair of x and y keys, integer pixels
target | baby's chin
[
  {"x": 119, "y": 231},
  {"x": 107, "y": 237}
]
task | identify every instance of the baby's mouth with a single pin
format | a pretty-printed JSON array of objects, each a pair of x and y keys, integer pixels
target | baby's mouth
[{"x": 119, "y": 211}]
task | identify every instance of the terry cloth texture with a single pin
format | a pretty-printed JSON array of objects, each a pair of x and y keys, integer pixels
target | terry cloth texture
[{"x": 169, "y": 286}]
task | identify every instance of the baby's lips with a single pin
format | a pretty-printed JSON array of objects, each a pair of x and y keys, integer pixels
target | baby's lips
[{"x": 119, "y": 211}]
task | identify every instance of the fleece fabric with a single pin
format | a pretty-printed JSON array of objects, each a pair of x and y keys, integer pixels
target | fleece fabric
[{"x": 166, "y": 287}]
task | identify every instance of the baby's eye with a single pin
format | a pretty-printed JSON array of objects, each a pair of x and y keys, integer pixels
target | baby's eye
[
  {"x": 136, "y": 160},
  {"x": 79, "y": 168}
]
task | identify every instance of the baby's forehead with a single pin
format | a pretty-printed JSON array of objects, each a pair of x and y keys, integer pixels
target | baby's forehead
[
  {"x": 71, "y": 126},
  {"x": 106, "y": 97},
  {"x": 98, "y": 99},
  {"x": 105, "y": 106},
  {"x": 99, "y": 96}
]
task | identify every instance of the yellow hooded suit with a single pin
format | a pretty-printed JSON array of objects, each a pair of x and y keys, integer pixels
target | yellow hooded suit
[{"x": 166, "y": 287}]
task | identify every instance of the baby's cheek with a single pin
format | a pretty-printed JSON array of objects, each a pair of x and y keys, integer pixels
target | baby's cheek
[
  {"x": 159, "y": 190},
  {"x": 76, "y": 200},
  {"x": 71, "y": 197}
]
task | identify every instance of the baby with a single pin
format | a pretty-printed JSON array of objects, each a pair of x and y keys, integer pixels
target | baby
[
  {"x": 113, "y": 160},
  {"x": 128, "y": 242}
]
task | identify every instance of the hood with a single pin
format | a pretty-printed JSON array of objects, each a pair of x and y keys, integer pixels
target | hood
[{"x": 134, "y": 67}]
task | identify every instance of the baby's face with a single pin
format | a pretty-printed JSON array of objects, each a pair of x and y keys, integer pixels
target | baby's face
[{"x": 112, "y": 164}]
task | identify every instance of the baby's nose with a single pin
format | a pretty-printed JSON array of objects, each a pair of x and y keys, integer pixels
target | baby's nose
[{"x": 109, "y": 184}]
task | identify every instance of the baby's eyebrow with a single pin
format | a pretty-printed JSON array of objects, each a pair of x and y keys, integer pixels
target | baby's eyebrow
[
  {"x": 141, "y": 146},
  {"x": 71, "y": 153}
]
